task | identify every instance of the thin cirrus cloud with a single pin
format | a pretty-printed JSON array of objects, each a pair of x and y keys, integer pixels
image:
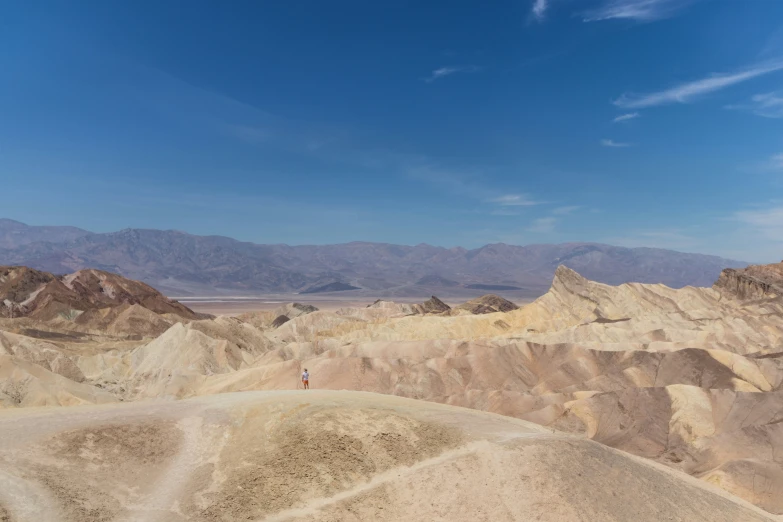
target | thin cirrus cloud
[
  {"x": 768, "y": 221},
  {"x": 776, "y": 162},
  {"x": 768, "y": 105},
  {"x": 686, "y": 92},
  {"x": 506, "y": 211},
  {"x": 626, "y": 117},
  {"x": 639, "y": 10},
  {"x": 465, "y": 185},
  {"x": 442, "y": 72},
  {"x": 547, "y": 224},
  {"x": 615, "y": 144},
  {"x": 563, "y": 211},
  {"x": 543, "y": 225},
  {"x": 539, "y": 9},
  {"x": 514, "y": 200}
]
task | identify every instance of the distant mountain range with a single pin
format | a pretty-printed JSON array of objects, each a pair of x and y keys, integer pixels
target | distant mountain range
[
  {"x": 182, "y": 264},
  {"x": 14, "y": 234}
]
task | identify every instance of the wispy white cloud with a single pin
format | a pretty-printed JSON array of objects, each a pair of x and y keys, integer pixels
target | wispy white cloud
[
  {"x": 612, "y": 143},
  {"x": 753, "y": 234},
  {"x": 442, "y": 72},
  {"x": 639, "y": 10},
  {"x": 506, "y": 211},
  {"x": 514, "y": 200},
  {"x": 543, "y": 225},
  {"x": 562, "y": 211},
  {"x": 626, "y": 117},
  {"x": 768, "y": 105},
  {"x": 198, "y": 107},
  {"x": 447, "y": 180},
  {"x": 771, "y": 164},
  {"x": 768, "y": 221},
  {"x": 776, "y": 162},
  {"x": 473, "y": 186},
  {"x": 547, "y": 224},
  {"x": 688, "y": 91},
  {"x": 255, "y": 127},
  {"x": 539, "y": 9}
]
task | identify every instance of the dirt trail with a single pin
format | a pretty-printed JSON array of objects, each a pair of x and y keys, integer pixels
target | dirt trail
[
  {"x": 315, "y": 505},
  {"x": 161, "y": 505},
  {"x": 182, "y": 465}
]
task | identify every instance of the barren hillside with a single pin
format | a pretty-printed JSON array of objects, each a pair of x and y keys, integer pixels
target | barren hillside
[
  {"x": 25, "y": 292},
  {"x": 690, "y": 378},
  {"x": 331, "y": 456}
]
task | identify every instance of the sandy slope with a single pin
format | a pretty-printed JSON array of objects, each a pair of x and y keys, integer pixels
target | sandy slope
[
  {"x": 690, "y": 378},
  {"x": 328, "y": 456}
]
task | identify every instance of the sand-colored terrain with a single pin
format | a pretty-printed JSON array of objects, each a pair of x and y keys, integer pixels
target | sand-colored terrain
[
  {"x": 235, "y": 306},
  {"x": 688, "y": 378},
  {"x": 330, "y": 456}
]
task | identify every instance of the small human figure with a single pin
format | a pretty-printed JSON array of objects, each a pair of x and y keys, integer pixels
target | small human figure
[{"x": 306, "y": 379}]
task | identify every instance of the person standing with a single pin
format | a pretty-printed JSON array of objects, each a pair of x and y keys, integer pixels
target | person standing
[{"x": 306, "y": 379}]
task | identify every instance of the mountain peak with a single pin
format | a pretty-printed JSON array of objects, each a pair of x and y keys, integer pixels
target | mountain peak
[
  {"x": 565, "y": 275},
  {"x": 15, "y": 234}
]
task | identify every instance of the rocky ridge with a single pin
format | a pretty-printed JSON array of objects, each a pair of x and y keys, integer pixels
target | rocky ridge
[
  {"x": 487, "y": 304},
  {"x": 25, "y": 292},
  {"x": 753, "y": 282}
]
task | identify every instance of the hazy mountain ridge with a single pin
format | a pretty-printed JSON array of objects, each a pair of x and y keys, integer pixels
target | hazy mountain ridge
[
  {"x": 14, "y": 234},
  {"x": 183, "y": 263}
]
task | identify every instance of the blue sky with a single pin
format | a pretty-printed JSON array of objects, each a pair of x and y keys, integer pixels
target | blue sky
[{"x": 632, "y": 122}]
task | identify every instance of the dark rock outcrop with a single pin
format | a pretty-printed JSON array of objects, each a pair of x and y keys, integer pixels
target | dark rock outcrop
[
  {"x": 285, "y": 313},
  {"x": 753, "y": 282},
  {"x": 433, "y": 305},
  {"x": 280, "y": 320},
  {"x": 487, "y": 304},
  {"x": 292, "y": 310}
]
